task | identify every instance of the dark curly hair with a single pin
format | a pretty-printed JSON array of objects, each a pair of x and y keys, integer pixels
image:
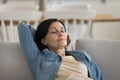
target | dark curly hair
[{"x": 42, "y": 30}]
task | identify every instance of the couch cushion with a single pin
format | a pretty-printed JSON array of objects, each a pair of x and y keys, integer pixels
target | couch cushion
[
  {"x": 106, "y": 54},
  {"x": 13, "y": 64}
]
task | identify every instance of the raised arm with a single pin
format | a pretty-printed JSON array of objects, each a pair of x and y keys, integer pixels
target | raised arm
[{"x": 26, "y": 37}]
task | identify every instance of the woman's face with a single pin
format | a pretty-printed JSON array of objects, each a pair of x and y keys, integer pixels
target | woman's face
[{"x": 56, "y": 37}]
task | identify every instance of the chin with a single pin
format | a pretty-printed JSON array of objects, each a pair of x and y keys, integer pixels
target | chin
[{"x": 63, "y": 46}]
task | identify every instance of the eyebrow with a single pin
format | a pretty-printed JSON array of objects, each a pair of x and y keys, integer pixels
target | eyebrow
[{"x": 55, "y": 28}]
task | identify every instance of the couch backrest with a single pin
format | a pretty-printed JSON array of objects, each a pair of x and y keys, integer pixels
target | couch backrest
[
  {"x": 13, "y": 64},
  {"x": 106, "y": 54}
]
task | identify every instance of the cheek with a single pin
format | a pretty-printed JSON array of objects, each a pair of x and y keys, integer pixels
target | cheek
[
  {"x": 66, "y": 38},
  {"x": 51, "y": 39}
]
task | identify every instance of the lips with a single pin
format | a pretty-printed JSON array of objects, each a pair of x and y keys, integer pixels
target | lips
[{"x": 61, "y": 39}]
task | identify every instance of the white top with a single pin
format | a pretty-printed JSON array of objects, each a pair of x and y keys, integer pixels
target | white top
[{"x": 71, "y": 69}]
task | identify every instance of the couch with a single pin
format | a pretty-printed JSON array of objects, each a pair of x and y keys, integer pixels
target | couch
[
  {"x": 106, "y": 53},
  {"x": 13, "y": 64}
]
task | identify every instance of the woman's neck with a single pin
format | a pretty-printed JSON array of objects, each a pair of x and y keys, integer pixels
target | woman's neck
[{"x": 60, "y": 52}]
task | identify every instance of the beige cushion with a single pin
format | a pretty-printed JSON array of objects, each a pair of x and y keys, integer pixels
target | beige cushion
[
  {"x": 106, "y": 54},
  {"x": 13, "y": 64}
]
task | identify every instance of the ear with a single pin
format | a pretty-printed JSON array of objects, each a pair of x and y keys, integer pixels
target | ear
[
  {"x": 68, "y": 40},
  {"x": 43, "y": 41}
]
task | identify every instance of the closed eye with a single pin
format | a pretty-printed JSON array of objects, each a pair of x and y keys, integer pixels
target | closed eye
[{"x": 62, "y": 30}]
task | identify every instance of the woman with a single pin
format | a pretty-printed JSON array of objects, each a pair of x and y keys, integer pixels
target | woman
[{"x": 46, "y": 51}]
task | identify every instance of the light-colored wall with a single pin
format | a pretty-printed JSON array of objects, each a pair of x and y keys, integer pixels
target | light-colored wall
[
  {"x": 110, "y": 7},
  {"x": 107, "y": 30}
]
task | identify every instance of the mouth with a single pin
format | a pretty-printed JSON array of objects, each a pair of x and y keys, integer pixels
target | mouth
[{"x": 61, "y": 39}]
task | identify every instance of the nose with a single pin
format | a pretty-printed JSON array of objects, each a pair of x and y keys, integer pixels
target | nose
[{"x": 61, "y": 33}]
